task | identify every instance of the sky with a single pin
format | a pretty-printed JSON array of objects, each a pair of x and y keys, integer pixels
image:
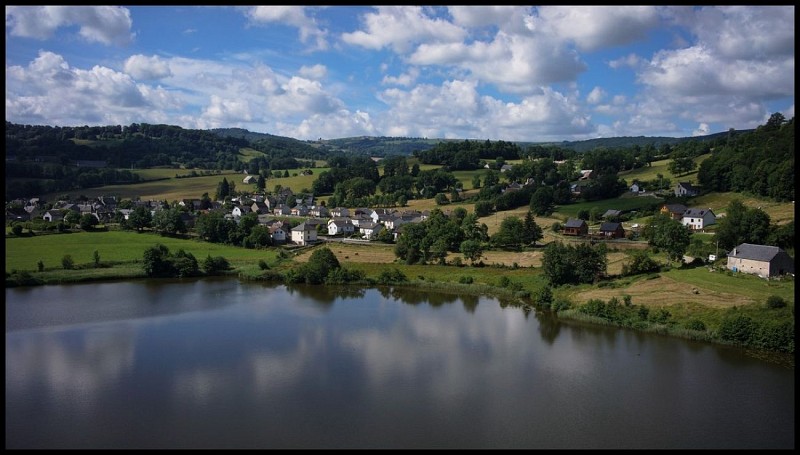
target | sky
[{"x": 513, "y": 73}]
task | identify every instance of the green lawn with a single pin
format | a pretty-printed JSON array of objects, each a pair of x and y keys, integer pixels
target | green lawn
[
  {"x": 627, "y": 202},
  {"x": 23, "y": 253}
]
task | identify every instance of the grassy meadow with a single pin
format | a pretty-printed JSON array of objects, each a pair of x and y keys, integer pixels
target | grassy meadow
[{"x": 23, "y": 253}]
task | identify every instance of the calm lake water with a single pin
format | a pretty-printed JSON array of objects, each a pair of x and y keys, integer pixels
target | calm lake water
[{"x": 223, "y": 364}]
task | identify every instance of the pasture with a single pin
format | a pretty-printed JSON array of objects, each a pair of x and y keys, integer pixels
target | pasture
[{"x": 23, "y": 253}]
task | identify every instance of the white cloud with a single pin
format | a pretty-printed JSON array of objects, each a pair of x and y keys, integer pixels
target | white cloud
[
  {"x": 596, "y": 27},
  {"x": 596, "y": 95},
  {"x": 50, "y": 91},
  {"x": 702, "y": 130},
  {"x": 743, "y": 32},
  {"x": 401, "y": 28},
  {"x": 405, "y": 79},
  {"x": 148, "y": 68},
  {"x": 456, "y": 110},
  {"x": 314, "y": 72},
  {"x": 484, "y": 15},
  {"x": 102, "y": 24},
  {"x": 294, "y": 16},
  {"x": 630, "y": 60}
]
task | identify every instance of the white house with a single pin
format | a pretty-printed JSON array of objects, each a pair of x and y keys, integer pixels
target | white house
[
  {"x": 303, "y": 234},
  {"x": 277, "y": 233},
  {"x": 370, "y": 230},
  {"x": 698, "y": 219},
  {"x": 249, "y": 179},
  {"x": 240, "y": 211},
  {"x": 340, "y": 226}
]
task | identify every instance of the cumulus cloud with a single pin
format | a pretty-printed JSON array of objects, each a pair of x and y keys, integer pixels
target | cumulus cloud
[
  {"x": 596, "y": 95},
  {"x": 485, "y": 16},
  {"x": 514, "y": 63},
  {"x": 702, "y": 130},
  {"x": 314, "y": 72},
  {"x": 102, "y": 24},
  {"x": 455, "y": 109},
  {"x": 630, "y": 60},
  {"x": 405, "y": 79},
  {"x": 294, "y": 16},
  {"x": 147, "y": 68},
  {"x": 596, "y": 27},
  {"x": 742, "y": 32},
  {"x": 401, "y": 28},
  {"x": 49, "y": 91}
]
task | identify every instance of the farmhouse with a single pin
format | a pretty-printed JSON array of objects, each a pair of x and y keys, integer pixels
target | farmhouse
[
  {"x": 698, "y": 219},
  {"x": 249, "y": 179},
  {"x": 303, "y": 234},
  {"x": 612, "y": 230},
  {"x": 675, "y": 211},
  {"x": 340, "y": 226},
  {"x": 685, "y": 189},
  {"x": 575, "y": 226},
  {"x": 762, "y": 260}
]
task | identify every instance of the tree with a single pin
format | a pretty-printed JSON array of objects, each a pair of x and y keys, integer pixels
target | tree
[
  {"x": 67, "y": 262},
  {"x": 510, "y": 234},
  {"x": 169, "y": 221},
  {"x": 542, "y": 201},
  {"x": 441, "y": 199},
  {"x": 565, "y": 264},
  {"x": 669, "y": 235},
  {"x": 72, "y": 218},
  {"x": 223, "y": 189},
  {"x": 96, "y": 256},
  {"x": 476, "y": 182},
  {"x": 531, "y": 232},
  {"x": 140, "y": 218},
  {"x": 155, "y": 261},
  {"x": 472, "y": 250}
]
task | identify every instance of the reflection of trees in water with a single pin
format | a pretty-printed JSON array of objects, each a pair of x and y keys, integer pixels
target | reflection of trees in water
[
  {"x": 549, "y": 325},
  {"x": 326, "y": 294},
  {"x": 433, "y": 298}
]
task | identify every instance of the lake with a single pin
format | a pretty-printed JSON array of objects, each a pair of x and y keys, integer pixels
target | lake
[{"x": 218, "y": 363}]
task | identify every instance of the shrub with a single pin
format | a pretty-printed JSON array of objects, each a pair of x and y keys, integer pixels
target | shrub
[
  {"x": 465, "y": 279},
  {"x": 16, "y": 229},
  {"x": 217, "y": 264},
  {"x": 543, "y": 296},
  {"x": 40, "y": 265},
  {"x": 737, "y": 329},
  {"x": 67, "y": 262},
  {"x": 392, "y": 276},
  {"x": 775, "y": 302},
  {"x": 262, "y": 264},
  {"x": 696, "y": 324}
]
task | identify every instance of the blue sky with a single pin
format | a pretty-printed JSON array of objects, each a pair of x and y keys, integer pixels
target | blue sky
[{"x": 516, "y": 73}]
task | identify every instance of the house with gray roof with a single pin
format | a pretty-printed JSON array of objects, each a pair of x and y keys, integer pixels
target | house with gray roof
[
  {"x": 576, "y": 226},
  {"x": 697, "y": 219},
  {"x": 762, "y": 260},
  {"x": 612, "y": 230},
  {"x": 685, "y": 189},
  {"x": 304, "y": 233}
]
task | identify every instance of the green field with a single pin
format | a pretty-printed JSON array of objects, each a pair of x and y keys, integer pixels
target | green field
[
  {"x": 627, "y": 202},
  {"x": 661, "y": 167},
  {"x": 779, "y": 212},
  {"x": 23, "y": 253}
]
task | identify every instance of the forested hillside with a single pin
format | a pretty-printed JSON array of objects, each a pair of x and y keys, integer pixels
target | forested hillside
[{"x": 760, "y": 163}]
